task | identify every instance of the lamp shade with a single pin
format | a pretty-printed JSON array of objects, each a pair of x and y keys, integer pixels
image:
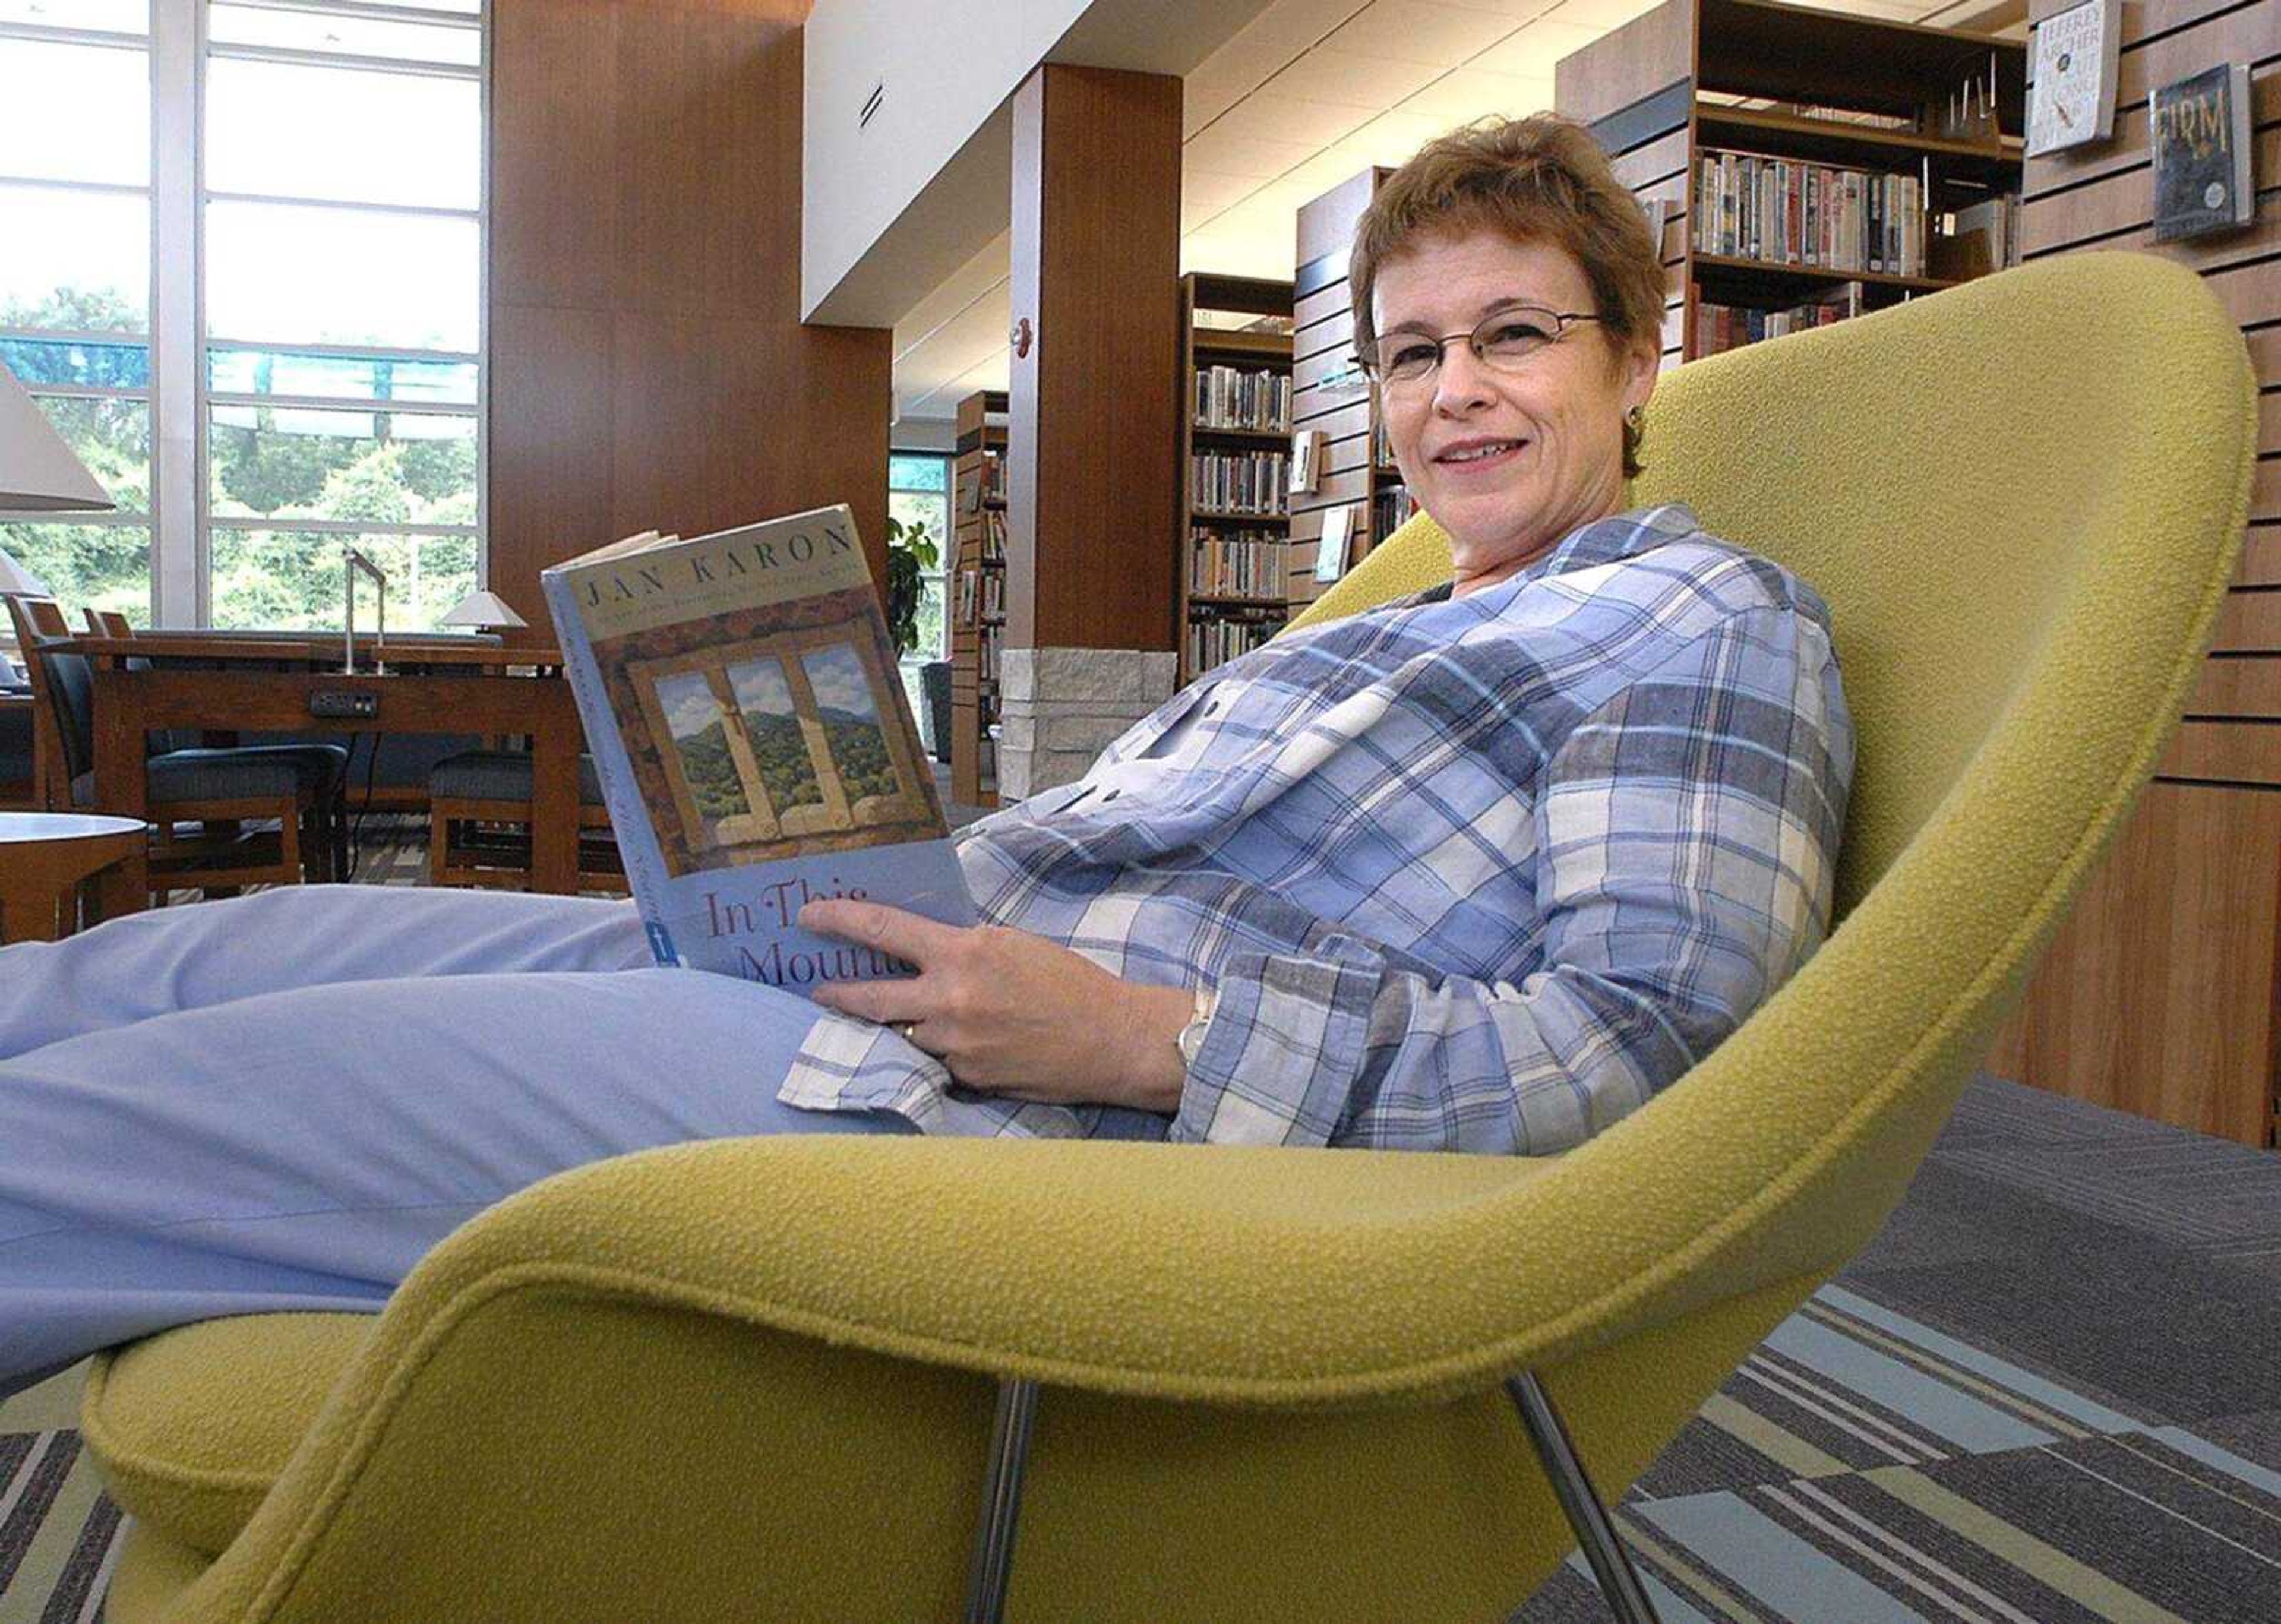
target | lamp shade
[
  {"x": 15, "y": 579},
  {"x": 38, "y": 473},
  {"x": 481, "y": 608}
]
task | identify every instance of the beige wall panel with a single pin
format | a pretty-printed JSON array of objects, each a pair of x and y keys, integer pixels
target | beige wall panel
[
  {"x": 1324, "y": 301},
  {"x": 1337, "y": 422},
  {"x": 1332, "y": 335},
  {"x": 1605, "y": 76},
  {"x": 1661, "y": 159}
]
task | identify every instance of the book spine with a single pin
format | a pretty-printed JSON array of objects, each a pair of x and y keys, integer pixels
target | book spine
[{"x": 638, "y": 850}]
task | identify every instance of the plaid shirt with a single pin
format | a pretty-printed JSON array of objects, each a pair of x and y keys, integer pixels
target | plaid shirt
[{"x": 1477, "y": 874}]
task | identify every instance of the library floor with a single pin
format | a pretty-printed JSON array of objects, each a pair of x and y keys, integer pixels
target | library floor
[{"x": 2049, "y": 1393}]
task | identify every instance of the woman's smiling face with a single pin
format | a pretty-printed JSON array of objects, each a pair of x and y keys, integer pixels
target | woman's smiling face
[{"x": 1507, "y": 461}]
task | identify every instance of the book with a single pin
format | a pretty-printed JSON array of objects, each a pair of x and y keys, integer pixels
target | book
[
  {"x": 1331, "y": 546},
  {"x": 2203, "y": 167},
  {"x": 754, "y": 744},
  {"x": 2071, "y": 73}
]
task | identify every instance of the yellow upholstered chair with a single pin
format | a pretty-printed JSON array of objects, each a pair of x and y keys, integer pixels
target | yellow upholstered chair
[{"x": 757, "y": 1378}]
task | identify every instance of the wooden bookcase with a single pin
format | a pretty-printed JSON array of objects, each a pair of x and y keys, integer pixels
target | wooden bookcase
[
  {"x": 977, "y": 599},
  {"x": 1231, "y": 323},
  {"x": 1696, "y": 77},
  {"x": 1332, "y": 396}
]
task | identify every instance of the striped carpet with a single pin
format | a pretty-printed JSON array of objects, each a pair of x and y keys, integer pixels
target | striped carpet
[{"x": 2050, "y": 1393}]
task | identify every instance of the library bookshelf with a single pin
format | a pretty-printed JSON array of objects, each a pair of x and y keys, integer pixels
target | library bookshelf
[
  {"x": 977, "y": 605},
  {"x": 1701, "y": 105},
  {"x": 1235, "y": 447}
]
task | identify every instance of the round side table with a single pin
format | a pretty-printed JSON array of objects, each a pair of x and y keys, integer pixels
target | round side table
[{"x": 44, "y": 857}]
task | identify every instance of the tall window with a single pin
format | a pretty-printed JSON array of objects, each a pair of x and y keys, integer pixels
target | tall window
[
  {"x": 918, "y": 492},
  {"x": 75, "y": 282},
  {"x": 308, "y": 335}
]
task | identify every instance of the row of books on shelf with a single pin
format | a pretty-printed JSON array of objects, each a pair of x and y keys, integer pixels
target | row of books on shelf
[
  {"x": 1390, "y": 509},
  {"x": 1719, "y": 327},
  {"x": 1982, "y": 238},
  {"x": 1241, "y": 482},
  {"x": 1237, "y": 397},
  {"x": 987, "y": 640},
  {"x": 1238, "y": 563},
  {"x": 981, "y": 596},
  {"x": 1218, "y": 638},
  {"x": 1778, "y": 209},
  {"x": 986, "y": 540}
]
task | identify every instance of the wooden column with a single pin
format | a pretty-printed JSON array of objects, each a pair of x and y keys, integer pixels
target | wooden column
[
  {"x": 2159, "y": 996},
  {"x": 649, "y": 369},
  {"x": 1092, "y": 504}
]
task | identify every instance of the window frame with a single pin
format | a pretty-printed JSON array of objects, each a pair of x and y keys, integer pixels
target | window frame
[
  {"x": 177, "y": 46},
  {"x": 145, "y": 46},
  {"x": 208, "y": 522}
]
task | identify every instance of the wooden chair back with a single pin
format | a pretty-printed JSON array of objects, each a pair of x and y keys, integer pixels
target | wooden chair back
[
  {"x": 34, "y": 620},
  {"x": 108, "y": 622}
]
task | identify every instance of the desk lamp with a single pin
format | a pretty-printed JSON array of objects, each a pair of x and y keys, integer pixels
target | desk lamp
[
  {"x": 483, "y": 610},
  {"x": 38, "y": 473}
]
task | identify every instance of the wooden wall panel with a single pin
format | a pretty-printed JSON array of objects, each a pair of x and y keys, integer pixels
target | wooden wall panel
[
  {"x": 648, "y": 366},
  {"x": 1093, "y": 462},
  {"x": 2159, "y": 994},
  {"x": 2191, "y": 887}
]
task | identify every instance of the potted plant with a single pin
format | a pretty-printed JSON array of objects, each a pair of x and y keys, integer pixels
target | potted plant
[{"x": 912, "y": 552}]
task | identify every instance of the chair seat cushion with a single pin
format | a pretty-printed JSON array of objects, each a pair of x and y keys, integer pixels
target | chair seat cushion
[
  {"x": 233, "y": 775},
  {"x": 191, "y": 1428},
  {"x": 501, "y": 774},
  {"x": 224, "y": 775},
  {"x": 327, "y": 762}
]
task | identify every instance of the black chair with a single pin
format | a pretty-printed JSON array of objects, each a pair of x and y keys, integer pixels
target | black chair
[
  {"x": 331, "y": 823},
  {"x": 297, "y": 786}
]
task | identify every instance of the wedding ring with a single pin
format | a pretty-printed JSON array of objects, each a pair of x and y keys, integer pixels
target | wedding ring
[{"x": 910, "y": 1029}]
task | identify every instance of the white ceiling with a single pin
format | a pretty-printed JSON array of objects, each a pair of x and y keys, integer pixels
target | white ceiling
[{"x": 1310, "y": 93}]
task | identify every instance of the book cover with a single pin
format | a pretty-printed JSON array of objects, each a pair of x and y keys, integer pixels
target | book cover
[
  {"x": 2071, "y": 73},
  {"x": 2203, "y": 180},
  {"x": 756, "y": 747}
]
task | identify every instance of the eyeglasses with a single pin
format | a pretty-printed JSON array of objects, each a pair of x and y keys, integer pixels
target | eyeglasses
[{"x": 1503, "y": 342}]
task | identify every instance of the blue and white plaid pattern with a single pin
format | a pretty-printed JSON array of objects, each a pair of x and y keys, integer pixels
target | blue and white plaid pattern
[{"x": 1478, "y": 874}]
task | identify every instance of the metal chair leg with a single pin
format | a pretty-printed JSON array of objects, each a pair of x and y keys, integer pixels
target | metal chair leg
[
  {"x": 1001, "y": 1500},
  {"x": 1595, "y": 1532}
]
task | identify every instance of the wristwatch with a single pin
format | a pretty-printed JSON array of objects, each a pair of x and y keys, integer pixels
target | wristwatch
[{"x": 1191, "y": 1040}]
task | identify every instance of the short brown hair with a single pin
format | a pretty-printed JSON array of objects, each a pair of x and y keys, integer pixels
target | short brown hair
[{"x": 1541, "y": 179}]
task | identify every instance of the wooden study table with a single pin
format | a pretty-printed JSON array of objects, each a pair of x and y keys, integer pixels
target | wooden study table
[{"x": 236, "y": 686}]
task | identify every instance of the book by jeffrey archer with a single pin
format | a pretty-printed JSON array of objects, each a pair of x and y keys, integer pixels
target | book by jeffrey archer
[
  {"x": 2202, "y": 165},
  {"x": 741, "y": 701}
]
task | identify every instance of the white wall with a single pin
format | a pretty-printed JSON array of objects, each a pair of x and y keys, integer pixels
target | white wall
[
  {"x": 947, "y": 66},
  {"x": 893, "y": 207}
]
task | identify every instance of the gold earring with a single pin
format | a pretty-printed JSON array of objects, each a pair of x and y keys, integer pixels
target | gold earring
[{"x": 1634, "y": 416}]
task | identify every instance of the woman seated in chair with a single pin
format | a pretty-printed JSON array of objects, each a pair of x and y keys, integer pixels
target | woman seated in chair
[{"x": 1479, "y": 869}]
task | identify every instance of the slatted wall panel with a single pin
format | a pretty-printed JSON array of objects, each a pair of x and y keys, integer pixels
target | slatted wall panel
[
  {"x": 1633, "y": 89},
  {"x": 1326, "y": 391},
  {"x": 2159, "y": 996}
]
